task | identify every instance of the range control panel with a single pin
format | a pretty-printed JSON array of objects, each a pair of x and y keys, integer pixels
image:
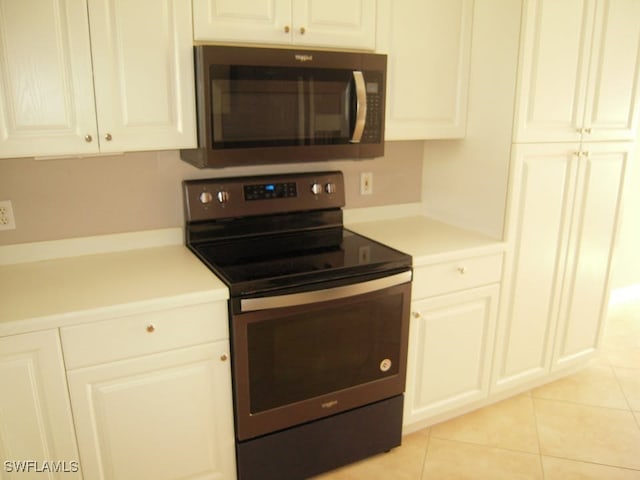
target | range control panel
[{"x": 218, "y": 198}]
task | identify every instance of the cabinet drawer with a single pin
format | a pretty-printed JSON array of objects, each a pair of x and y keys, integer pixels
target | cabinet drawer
[
  {"x": 456, "y": 275},
  {"x": 136, "y": 335}
]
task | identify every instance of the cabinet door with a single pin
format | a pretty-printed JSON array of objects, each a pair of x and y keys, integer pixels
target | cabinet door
[
  {"x": 429, "y": 48},
  {"x": 450, "y": 351},
  {"x": 554, "y": 65},
  {"x": 257, "y": 21},
  {"x": 541, "y": 198},
  {"x": 164, "y": 416},
  {"x": 46, "y": 84},
  {"x": 143, "y": 72},
  {"x": 613, "y": 99},
  {"x": 35, "y": 417},
  {"x": 335, "y": 23},
  {"x": 594, "y": 227}
]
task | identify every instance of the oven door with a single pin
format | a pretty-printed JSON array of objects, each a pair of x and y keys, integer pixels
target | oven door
[{"x": 304, "y": 356}]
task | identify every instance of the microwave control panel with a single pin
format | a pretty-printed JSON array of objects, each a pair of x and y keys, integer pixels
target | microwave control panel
[{"x": 375, "y": 100}]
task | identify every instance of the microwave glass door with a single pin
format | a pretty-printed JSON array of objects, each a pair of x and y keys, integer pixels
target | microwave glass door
[{"x": 256, "y": 106}]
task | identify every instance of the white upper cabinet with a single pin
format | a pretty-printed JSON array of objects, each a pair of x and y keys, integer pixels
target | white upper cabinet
[
  {"x": 579, "y": 77},
  {"x": 428, "y": 43},
  {"x": 46, "y": 89},
  {"x": 320, "y": 23},
  {"x": 143, "y": 74},
  {"x": 138, "y": 56}
]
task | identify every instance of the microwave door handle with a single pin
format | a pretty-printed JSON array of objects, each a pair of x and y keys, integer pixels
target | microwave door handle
[{"x": 361, "y": 106}]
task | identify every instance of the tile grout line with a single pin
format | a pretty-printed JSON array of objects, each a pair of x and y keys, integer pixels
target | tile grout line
[
  {"x": 426, "y": 453},
  {"x": 535, "y": 421}
]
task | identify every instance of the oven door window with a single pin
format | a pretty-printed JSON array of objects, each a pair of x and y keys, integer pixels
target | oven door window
[
  {"x": 302, "y": 355},
  {"x": 256, "y": 106}
]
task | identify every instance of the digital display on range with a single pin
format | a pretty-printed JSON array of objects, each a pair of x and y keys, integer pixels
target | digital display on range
[{"x": 267, "y": 191}]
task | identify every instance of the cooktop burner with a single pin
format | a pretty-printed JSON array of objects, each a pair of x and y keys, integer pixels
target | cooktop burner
[
  {"x": 260, "y": 234},
  {"x": 250, "y": 266}
]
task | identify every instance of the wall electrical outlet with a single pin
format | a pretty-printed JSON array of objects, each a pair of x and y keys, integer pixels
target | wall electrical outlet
[
  {"x": 366, "y": 183},
  {"x": 7, "y": 220}
]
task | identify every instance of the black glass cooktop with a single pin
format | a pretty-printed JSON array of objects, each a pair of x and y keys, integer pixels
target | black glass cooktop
[{"x": 286, "y": 261}]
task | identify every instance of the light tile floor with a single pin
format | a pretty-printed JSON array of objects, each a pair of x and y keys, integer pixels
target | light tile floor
[{"x": 585, "y": 426}]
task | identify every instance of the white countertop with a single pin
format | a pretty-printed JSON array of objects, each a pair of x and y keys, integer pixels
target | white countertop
[
  {"x": 105, "y": 280},
  {"x": 57, "y": 292},
  {"x": 428, "y": 241}
]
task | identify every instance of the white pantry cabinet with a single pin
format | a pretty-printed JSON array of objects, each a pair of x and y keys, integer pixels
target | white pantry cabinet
[
  {"x": 35, "y": 415},
  {"x": 151, "y": 395},
  {"x": 88, "y": 76},
  {"x": 579, "y": 76},
  {"x": 428, "y": 43},
  {"x": 563, "y": 218},
  {"x": 320, "y": 23},
  {"x": 451, "y": 335}
]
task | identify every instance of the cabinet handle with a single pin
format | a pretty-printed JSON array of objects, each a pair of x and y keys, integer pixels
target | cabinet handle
[
  {"x": 287, "y": 29},
  {"x": 224, "y": 357},
  {"x": 416, "y": 315},
  {"x": 108, "y": 137},
  {"x": 462, "y": 270},
  {"x": 588, "y": 131},
  {"x": 151, "y": 328},
  {"x": 303, "y": 30},
  {"x": 88, "y": 138}
]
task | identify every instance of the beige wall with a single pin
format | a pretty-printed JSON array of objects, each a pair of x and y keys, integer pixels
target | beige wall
[
  {"x": 626, "y": 264},
  {"x": 75, "y": 197}
]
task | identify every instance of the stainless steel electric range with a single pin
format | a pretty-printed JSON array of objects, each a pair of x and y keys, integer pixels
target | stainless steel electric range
[{"x": 319, "y": 320}]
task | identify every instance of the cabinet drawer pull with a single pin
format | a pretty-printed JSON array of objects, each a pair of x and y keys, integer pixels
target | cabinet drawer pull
[
  {"x": 108, "y": 137},
  {"x": 88, "y": 138},
  {"x": 151, "y": 328},
  {"x": 303, "y": 30},
  {"x": 462, "y": 270},
  {"x": 287, "y": 29},
  {"x": 224, "y": 357},
  {"x": 416, "y": 315}
]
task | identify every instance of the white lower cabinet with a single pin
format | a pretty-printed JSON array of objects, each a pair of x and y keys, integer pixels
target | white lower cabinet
[
  {"x": 451, "y": 338},
  {"x": 563, "y": 217},
  {"x": 162, "y": 415},
  {"x": 36, "y": 430}
]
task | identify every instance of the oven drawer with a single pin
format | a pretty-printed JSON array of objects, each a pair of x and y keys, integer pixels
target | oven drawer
[
  {"x": 142, "y": 334},
  {"x": 460, "y": 274}
]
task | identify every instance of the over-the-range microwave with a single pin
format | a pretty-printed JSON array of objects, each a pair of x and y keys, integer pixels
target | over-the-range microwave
[{"x": 267, "y": 105}]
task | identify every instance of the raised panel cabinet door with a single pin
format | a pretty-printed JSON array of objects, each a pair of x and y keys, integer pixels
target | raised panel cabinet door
[
  {"x": 540, "y": 209},
  {"x": 46, "y": 84},
  {"x": 594, "y": 228},
  {"x": 35, "y": 415},
  {"x": 257, "y": 21},
  {"x": 450, "y": 351},
  {"x": 553, "y": 72},
  {"x": 144, "y": 75},
  {"x": 428, "y": 43},
  {"x": 335, "y": 23},
  {"x": 164, "y": 417},
  {"x": 613, "y": 100}
]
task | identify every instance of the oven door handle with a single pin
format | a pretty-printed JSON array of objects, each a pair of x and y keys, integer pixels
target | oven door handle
[
  {"x": 316, "y": 296},
  {"x": 361, "y": 106}
]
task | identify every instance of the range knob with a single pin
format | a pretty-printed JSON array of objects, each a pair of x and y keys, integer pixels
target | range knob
[
  {"x": 206, "y": 197},
  {"x": 222, "y": 196},
  {"x": 316, "y": 189},
  {"x": 330, "y": 188}
]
